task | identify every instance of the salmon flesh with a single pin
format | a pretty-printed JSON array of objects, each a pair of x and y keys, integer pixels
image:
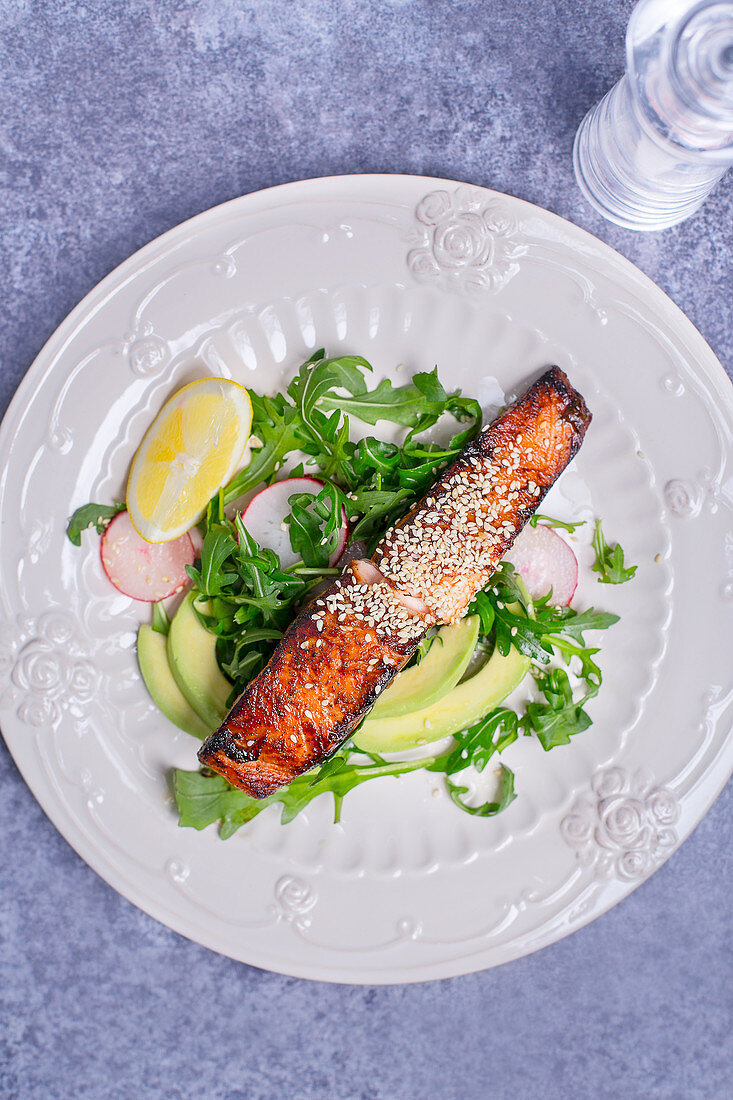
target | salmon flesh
[{"x": 347, "y": 646}]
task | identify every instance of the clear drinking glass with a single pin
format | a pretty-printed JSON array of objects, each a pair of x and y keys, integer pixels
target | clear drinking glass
[{"x": 651, "y": 151}]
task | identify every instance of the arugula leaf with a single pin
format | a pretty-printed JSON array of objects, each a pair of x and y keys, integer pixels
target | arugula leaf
[
  {"x": 91, "y": 515},
  {"x": 532, "y": 627},
  {"x": 483, "y": 606},
  {"x": 315, "y": 524},
  {"x": 203, "y": 799},
  {"x": 252, "y": 598},
  {"x": 523, "y": 633},
  {"x": 397, "y": 404},
  {"x": 218, "y": 546},
  {"x": 550, "y": 522},
  {"x": 312, "y": 419},
  {"x": 325, "y": 437},
  {"x": 542, "y": 632},
  {"x": 506, "y": 795},
  {"x": 424, "y": 646},
  {"x": 317, "y": 378},
  {"x": 574, "y": 623},
  {"x": 277, "y": 425},
  {"x": 476, "y": 746},
  {"x": 374, "y": 455},
  {"x": 559, "y": 718},
  {"x": 430, "y": 386},
  {"x": 379, "y": 509},
  {"x": 416, "y": 405},
  {"x": 610, "y": 560}
]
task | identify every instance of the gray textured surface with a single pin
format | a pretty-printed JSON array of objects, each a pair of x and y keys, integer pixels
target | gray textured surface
[{"x": 119, "y": 121}]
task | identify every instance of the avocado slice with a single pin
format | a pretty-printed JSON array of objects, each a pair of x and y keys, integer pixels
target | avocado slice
[
  {"x": 460, "y": 708},
  {"x": 193, "y": 663},
  {"x": 440, "y": 670},
  {"x": 152, "y": 656}
]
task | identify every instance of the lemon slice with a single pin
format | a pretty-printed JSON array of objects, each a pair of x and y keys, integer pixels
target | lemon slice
[{"x": 190, "y": 450}]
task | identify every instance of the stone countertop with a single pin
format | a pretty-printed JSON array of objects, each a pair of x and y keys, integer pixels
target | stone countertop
[{"x": 120, "y": 121}]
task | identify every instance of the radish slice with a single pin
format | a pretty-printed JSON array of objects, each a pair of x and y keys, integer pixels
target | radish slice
[
  {"x": 143, "y": 570},
  {"x": 545, "y": 561},
  {"x": 264, "y": 518}
]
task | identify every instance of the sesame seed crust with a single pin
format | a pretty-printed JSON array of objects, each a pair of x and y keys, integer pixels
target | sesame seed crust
[
  {"x": 325, "y": 675},
  {"x": 446, "y": 548}
]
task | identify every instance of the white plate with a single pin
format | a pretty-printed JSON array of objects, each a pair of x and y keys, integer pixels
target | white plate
[{"x": 406, "y": 271}]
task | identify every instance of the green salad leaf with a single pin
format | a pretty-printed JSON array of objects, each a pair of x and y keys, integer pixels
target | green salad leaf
[
  {"x": 610, "y": 560},
  {"x": 475, "y": 746},
  {"x": 311, "y": 422},
  {"x": 548, "y": 521},
  {"x": 251, "y": 598},
  {"x": 276, "y": 427},
  {"x": 315, "y": 522},
  {"x": 508, "y": 618},
  {"x": 505, "y": 796},
  {"x": 555, "y": 720},
  {"x": 206, "y": 798},
  {"x": 91, "y": 515}
]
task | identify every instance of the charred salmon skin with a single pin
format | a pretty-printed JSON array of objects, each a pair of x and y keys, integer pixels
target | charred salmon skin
[{"x": 347, "y": 646}]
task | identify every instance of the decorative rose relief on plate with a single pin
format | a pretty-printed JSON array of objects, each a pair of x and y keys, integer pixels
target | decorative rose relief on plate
[
  {"x": 148, "y": 356},
  {"x": 467, "y": 242},
  {"x": 686, "y": 499},
  {"x": 49, "y": 673},
  {"x": 626, "y": 829},
  {"x": 294, "y": 898},
  {"x": 683, "y": 499}
]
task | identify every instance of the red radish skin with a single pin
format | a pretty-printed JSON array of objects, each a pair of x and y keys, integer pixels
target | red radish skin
[
  {"x": 545, "y": 561},
  {"x": 143, "y": 570},
  {"x": 264, "y": 518}
]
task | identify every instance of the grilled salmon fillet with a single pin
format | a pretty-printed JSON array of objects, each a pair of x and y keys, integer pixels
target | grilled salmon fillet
[{"x": 348, "y": 645}]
